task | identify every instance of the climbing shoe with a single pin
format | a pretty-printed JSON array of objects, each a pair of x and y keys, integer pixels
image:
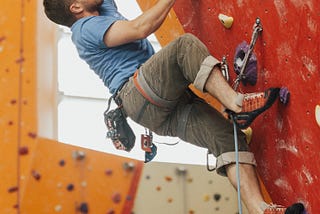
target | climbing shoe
[
  {"x": 296, "y": 208},
  {"x": 274, "y": 209},
  {"x": 253, "y": 104}
]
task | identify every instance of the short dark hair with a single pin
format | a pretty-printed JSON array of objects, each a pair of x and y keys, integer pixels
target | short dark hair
[{"x": 58, "y": 11}]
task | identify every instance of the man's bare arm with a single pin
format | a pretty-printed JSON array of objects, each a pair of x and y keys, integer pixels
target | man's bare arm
[{"x": 122, "y": 32}]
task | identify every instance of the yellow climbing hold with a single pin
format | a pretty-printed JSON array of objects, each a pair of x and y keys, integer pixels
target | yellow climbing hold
[
  {"x": 206, "y": 198},
  {"x": 317, "y": 112},
  {"x": 226, "y": 21},
  {"x": 248, "y": 133}
]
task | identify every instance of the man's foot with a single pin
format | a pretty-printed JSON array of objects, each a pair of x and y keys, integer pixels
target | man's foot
[
  {"x": 296, "y": 208},
  {"x": 275, "y": 209},
  {"x": 254, "y": 104}
]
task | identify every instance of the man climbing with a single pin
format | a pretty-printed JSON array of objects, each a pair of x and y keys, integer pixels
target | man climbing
[{"x": 153, "y": 87}]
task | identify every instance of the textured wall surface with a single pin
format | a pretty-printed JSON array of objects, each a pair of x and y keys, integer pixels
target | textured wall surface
[{"x": 285, "y": 138}]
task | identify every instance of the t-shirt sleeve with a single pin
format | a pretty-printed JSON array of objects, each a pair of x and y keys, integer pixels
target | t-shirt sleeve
[{"x": 94, "y": 29}]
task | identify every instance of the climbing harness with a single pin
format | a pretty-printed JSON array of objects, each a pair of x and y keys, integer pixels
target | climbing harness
[{"x": 119, "y": 130}]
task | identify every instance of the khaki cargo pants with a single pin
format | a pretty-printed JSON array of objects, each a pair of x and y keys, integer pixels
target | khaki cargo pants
[{"x": 167, "y": 76}]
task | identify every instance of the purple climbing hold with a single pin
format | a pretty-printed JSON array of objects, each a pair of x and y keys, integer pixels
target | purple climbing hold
[
  {"x": 250, "y": 73},
  {"x": 284, "y": 95}
]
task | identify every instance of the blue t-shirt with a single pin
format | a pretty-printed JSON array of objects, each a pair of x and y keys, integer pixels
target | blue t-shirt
[{"x": 113, "y": 65}]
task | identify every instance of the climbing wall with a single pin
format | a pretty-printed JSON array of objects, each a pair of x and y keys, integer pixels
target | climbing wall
[
  {"x": 184, "y": 189},
  {"x": 40, "y": 175},
  {"x": 285, "y": 138}
]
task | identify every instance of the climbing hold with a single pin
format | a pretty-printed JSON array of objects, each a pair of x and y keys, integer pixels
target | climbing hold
[
  {"x": 168, "y": 178},
  {"x": 206, "y": 198},
  {"x": 158, "y": 188},
  {"x": 111, "y": 211},
  {"x": 182, "y": 171},
  {"x": 23, "y": 150},
  {"x": 58, "y": 208},
  {"x": 70, "y": 187},
  {"x": 84, "y": 184},
  {"x": 78, "y": 155},
  {"x": 128, "y": 166},
  {"x": 217, "y": 197},
  {"x": 248, "y": 133},
  {"x": 13, "y": 101},
  {"x": 62, "y": 162},
  {"x": 191, "y": 211},
  {"x": 32, "y": 135},
  {"x": 129, "y": 198},
  {"x": 250, "y": 72},
  {"x": 225, "y": 20},
  {"x": 36, "y": 175},
  {"x": 170, "y": 200},
  {"x": 317, "y": 111},
  {"x": 108, "y": 172},
  {"x": 116, "y": 198},
  {"x": 284, "y": 95},
  {"x": 13, "y": 189},
  {"x": 84, "y": 208}
]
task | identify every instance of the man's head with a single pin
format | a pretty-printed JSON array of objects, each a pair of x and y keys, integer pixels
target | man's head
[
  {"x": 59, "y": 11},
  {"x": 66, "y": 12}
]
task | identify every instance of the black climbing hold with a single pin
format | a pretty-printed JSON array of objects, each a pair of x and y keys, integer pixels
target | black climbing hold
[
  {"x": 84, "y": 208},
  {"x": 70, "y": 187},
  {"x": 216, "y": 197},
  {"x": 62, "y": 163}
]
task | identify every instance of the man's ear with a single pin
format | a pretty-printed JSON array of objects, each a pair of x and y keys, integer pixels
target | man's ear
[{"x": 76, "y": 7}]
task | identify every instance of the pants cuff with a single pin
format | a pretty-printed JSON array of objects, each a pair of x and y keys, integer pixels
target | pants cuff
[
  {"x": 205, "y": 69},
  {"x": 230, "y": 158}
]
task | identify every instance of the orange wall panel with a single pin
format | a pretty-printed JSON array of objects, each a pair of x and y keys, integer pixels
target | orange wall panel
[
  {"x": 9, "y": 103},
  {"x": 62, "y": 180}
]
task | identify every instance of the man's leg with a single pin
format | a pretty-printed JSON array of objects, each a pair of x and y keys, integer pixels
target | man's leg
[
  {"x": 249, "y": 185},
  {"x": 217, "y": 86}
]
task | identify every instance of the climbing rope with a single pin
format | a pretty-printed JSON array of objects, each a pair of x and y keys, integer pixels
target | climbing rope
[
  {"x": 256, "y": 31},
  {"x": 237, "y": 164}
]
